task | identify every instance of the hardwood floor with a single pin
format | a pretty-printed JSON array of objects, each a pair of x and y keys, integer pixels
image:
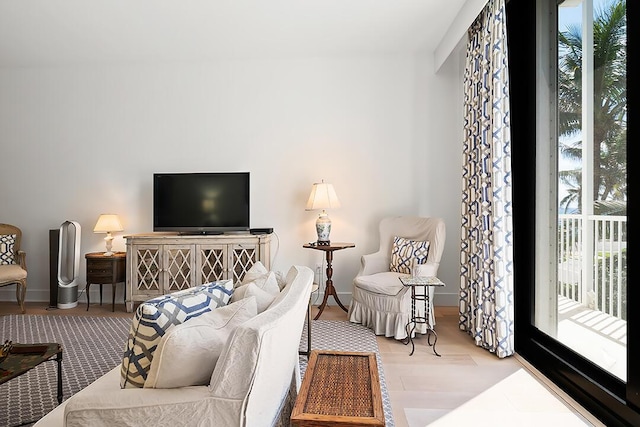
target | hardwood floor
[{"x": 466, "y": 386}]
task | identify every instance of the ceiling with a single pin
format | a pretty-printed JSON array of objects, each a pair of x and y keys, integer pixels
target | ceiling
[{"x": 62, "y": 32}]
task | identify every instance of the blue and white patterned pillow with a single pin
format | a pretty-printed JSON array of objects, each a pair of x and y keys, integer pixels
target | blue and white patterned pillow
[
  {"x": 153, "y": 318},
  {"x": 404, "y": 251},
  {"x": 7, "y": 255}
]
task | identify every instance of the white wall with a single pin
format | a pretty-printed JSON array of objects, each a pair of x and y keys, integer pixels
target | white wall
[{"x": 79, "y": 141}]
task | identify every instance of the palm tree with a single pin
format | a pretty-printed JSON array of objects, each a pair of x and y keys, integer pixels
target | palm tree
[{"x": 610, "y": 100}]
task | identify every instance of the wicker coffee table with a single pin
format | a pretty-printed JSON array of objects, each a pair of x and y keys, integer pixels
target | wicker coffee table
[{"x": 339, "y": 389}]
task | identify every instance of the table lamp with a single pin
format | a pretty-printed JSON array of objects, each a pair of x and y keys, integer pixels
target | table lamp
[
  {"x": 323, "y": 196},
  {"x": 108, "y": 223}
]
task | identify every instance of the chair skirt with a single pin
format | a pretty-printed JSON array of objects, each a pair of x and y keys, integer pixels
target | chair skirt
[{"x": 388, "y": 315}]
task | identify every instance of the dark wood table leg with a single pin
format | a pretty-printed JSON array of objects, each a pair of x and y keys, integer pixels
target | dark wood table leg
[
  {"x": 59, "y": 360},
  {"x": 87, "y": 290},
  {"x": 100, "y": 293},
  {"x": 329, "y": 289}
]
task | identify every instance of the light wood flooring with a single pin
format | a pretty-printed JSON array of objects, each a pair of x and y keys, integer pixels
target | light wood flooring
[{"x": 465, "y": 386}]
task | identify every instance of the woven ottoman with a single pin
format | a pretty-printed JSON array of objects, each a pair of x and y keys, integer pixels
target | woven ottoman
[{"x": 339, "y": 389}]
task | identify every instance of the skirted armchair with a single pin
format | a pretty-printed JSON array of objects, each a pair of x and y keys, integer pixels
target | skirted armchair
[
  {"x": 379, "y": 300},
  {"x": 13, "y": 263}
]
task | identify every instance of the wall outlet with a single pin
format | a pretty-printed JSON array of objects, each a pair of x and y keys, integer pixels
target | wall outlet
[{"x": 317, "y": 274}]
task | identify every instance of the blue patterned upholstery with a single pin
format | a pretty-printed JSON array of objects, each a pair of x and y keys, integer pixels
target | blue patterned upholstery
[
  {"x": 7, "y": 242},
  {"x": 404, "y": 251},
  {"x": 153, "y": 319}
]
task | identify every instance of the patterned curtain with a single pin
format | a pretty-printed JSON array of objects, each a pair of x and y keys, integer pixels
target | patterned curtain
[{"x": 486, "y": 276}]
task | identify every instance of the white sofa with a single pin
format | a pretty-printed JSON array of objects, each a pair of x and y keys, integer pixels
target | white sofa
[{"x": 252, "y": 384}]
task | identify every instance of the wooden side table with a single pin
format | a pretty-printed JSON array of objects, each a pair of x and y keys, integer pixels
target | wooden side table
[
  {"x": 330, "y": 289},
  {"x": 106, "y": 269}
]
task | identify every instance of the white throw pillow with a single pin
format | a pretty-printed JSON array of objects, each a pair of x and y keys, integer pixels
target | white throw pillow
[
  {"x": 282, "y": 281},
  {"x": 188, "y": 353},
  {"x": 267, "y": 282},
  {"x": 256, "y": 270},
  {"x": 263, "y": 298}
]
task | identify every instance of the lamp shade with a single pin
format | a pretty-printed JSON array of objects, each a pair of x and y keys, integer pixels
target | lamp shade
[
  {"x": 108, "y": 223},
  {"x": 322, "y": 196}
]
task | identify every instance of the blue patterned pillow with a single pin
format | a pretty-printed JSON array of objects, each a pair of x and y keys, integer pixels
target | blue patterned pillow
[
  {"x": 7, "y": 242},
  {"x": 155, "y": 317},
  {"x": 404, "y": 251}
]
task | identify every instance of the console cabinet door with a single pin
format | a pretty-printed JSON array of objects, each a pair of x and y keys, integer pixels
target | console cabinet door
[
  {"x": 241, "y": 257},
  {"x": 211, "y": 263},
  {"x": 146, "y": 277},
  {"x": 178, "y": 267}
]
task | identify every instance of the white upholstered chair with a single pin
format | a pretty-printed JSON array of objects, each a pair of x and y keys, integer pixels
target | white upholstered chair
[
  {"x": 379, "y": 300},
  {"x": 13, "y": 264}
]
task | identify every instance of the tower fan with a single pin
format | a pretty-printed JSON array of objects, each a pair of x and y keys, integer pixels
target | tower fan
[{"x": 68, "y": 264}]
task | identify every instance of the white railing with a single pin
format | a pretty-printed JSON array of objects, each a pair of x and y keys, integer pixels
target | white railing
[{"x": 605, "y": 284}]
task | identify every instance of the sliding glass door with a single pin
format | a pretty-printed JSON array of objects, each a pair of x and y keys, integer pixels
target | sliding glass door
[
  {"x": 574, "y": 316},
  {"x": 581, "y": 291}
]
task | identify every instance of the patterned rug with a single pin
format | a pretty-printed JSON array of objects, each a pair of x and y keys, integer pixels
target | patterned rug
[{"x": 93, "y": 345}]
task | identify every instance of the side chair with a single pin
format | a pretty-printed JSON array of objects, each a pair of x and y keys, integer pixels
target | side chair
[
  {"x": 13, "y": 261},
  {"x": 379, "y": 300}
]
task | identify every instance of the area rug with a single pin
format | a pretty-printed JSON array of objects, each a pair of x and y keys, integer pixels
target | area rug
[{"x": 93, "y": 345}]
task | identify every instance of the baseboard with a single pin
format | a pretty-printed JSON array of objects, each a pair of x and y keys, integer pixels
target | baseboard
[
  {"x": 8, "y": 293},
  {"x": 446, "y": 300}
]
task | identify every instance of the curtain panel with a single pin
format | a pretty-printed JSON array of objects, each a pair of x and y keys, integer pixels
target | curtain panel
[{"x": 486, "y": 276}]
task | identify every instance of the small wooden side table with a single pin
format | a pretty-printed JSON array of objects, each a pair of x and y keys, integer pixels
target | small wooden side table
[
  {"x": 329, "y": 289},
  {"x": 106, "y": 269}
]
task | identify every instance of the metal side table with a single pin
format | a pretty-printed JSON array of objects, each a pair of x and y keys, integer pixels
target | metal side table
[{"x": 425, "y": 282}]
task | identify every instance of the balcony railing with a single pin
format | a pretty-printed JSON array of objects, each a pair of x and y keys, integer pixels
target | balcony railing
[{"x": 592, "y": 261}]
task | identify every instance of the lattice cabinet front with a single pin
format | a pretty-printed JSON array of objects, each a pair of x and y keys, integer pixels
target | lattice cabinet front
[
  {"x": 178, "y": 268},
  {"x": 212, "y": 263},
  {"x": 242, "y": 257},
  {"x": 162, "y": 263},
  {"x": 147, "y": 261}
]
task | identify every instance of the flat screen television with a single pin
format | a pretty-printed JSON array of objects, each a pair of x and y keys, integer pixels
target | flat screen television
[{"x": 201, "y": 203}]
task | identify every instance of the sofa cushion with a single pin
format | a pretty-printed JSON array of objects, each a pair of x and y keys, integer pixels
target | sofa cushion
[
  {"x": 256, "y": 270},
  {"x": 404, "y": 251},
  {"x": 266, "y": 282},
  {"x": 7, "y": 254},
  {"x": 187, "y": 353},
  {"x": 156, "y": 316},
  {"x": 385, "y": 283},
  {"x": 263, "y": 298}
]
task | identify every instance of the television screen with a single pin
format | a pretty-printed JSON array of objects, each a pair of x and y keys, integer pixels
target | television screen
[{"x": 201, "y": 203}]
